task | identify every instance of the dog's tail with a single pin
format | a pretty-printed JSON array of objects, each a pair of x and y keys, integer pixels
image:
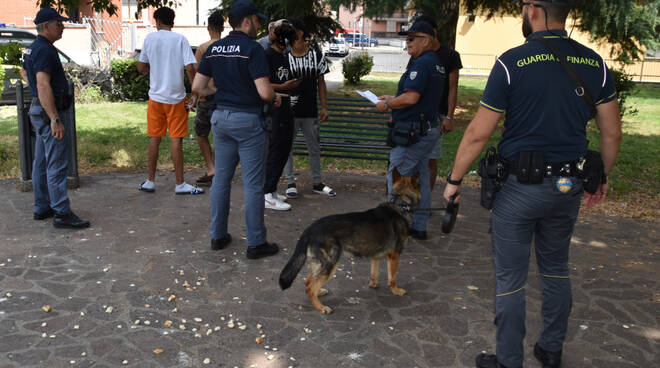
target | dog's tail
[{"x": 296, "y": 262}]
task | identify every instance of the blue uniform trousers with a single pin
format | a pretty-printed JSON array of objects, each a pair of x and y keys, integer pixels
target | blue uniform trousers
[
  {"x": 239, "y": 136},
  {"x": 522, "y": 212},
  {"x": 410, "y": 160},
  {"x": 50, "y": 165}
]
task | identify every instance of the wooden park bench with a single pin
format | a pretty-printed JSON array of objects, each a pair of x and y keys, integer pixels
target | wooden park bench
[{"x": 355, "y": 129}]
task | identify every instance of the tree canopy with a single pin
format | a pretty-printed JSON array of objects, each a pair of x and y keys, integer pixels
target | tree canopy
[{"x": 628, "y": 25}]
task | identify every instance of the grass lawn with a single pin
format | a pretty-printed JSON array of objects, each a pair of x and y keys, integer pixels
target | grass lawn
[{"x": 112, "y": 137}]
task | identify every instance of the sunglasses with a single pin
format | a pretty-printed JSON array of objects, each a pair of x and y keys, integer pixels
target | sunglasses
[{"x": 411, "y": 38}]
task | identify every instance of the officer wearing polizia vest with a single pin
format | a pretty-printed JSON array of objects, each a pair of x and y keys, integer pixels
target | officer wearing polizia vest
[
  {"x": 240, "y": 72},
  {"x": 415, "y": 110},
  {"x": 51, "y": 97},
  {"x": 541, "y": 149}
]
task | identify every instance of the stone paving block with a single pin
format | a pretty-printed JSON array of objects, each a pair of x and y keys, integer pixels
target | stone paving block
[{"x": 31, "y": 357}]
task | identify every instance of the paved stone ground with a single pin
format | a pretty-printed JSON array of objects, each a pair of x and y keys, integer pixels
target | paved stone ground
[{"x": 143, "y": 248}]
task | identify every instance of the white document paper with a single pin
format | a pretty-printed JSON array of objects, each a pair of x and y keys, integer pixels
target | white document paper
[{"x": 369, "y": 96}]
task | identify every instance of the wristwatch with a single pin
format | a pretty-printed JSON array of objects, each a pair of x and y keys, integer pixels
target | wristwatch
[
  {"x": 387, "y": 106},
  {"x": 56, "y": 120},
  {"x": 453, "y": 182}
]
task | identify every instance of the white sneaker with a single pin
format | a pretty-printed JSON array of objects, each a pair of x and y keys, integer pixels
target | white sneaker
[
  {"x": 281, "y": 197},
  {"x": 272, "y": 203}
]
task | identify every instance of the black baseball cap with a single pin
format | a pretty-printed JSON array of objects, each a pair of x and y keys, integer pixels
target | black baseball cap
[
  {"x": 47, "y": 14},
  {"x": 419, "y": 27},
  {"x": 243, "y": 8}
]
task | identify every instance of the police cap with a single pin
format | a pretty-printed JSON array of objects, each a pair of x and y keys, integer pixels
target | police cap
[
  {"x": 47, "y": 14},
  {"x": 419, "y": 27},
  {"x": 243, "y": 8}
]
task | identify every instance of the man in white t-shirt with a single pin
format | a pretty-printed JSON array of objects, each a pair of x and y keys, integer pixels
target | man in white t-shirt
[{"x": 163, "y": 57}]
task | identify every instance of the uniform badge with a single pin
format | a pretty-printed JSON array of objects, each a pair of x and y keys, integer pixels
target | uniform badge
[
  {"x": 563, "y": 184},
  {"x": 413, "y": 75}
]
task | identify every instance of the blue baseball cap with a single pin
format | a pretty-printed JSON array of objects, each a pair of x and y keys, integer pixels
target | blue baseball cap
[
  {"x": 47, "y": 14},
  {"x": 243, "y": 8},
  {"x": 419, "y": 27}
]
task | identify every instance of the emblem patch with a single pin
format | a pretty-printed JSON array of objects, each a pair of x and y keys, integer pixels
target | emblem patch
[
  {"x": 413, "y": 75},
  {"x": 564, "y": 184}
]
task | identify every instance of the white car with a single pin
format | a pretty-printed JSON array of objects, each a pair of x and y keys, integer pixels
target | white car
[{"x": 336, "y": 46}]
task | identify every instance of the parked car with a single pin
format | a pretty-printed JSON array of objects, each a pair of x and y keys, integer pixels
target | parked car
[
  {"x": 336, "y": 46},
  {"x": 359, "y": 40},
  {"x": 24, "y": 39}
]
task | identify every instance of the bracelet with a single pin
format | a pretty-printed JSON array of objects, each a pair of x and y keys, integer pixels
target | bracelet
[{"x": 453, "y": 182}]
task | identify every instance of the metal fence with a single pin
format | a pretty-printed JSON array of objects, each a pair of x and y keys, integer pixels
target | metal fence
[{"x": 481, "y": 64}]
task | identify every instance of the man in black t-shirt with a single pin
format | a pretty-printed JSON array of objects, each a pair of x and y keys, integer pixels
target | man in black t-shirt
[
  {"x": 309, "y": 65},
  {"x": 281, "y": 134}
]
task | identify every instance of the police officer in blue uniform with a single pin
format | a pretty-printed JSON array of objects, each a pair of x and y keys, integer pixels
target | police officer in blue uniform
[
  {"x": 238, "y": 66},
  {"x": 50, "y": 88},
  {"x": 416, "y": 106},
  {"x": 545, "y": 126}
]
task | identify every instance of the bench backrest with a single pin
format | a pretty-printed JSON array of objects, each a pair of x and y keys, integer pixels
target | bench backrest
[{"x": 355, "y": 129}]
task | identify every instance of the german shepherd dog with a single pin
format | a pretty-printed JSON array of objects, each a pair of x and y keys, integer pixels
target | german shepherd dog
[{"x": 378, "y": 232}]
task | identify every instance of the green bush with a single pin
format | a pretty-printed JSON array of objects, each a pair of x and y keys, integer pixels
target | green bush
[
  {"x": 127, "y": 83},
  {"x": 11, "y": 53},
  {"x": 2, "y": 79},
  {"x": 356, "y": 67}
]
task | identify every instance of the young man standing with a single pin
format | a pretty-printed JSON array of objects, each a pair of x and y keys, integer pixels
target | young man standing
[
  {"x": 163, "y": 57},
  {"x": 309, "y": 65},
  {"x": 205, "y": 106}
]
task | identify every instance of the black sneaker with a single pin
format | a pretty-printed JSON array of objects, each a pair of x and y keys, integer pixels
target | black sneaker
[
  {"x": 222, "y": 243},
  {"x": 264, "y": 250},
  {"x": 69, "y": 221},
  {"x": 417, "y": 234},
  {"x": 548, "y": 359},
  {"x": 44, "y": 215},
  {"x": 488, "y": 361}
]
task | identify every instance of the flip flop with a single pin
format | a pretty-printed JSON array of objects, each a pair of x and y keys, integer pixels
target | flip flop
[{"x": 205, "y": 179}]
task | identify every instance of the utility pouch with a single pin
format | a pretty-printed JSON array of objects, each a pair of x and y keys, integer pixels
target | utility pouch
[
  {"x": 592, "y": 171},
  {"x": 404, "y": 133},
  {"x": 490, "y": 171},
  {"x": 530, "y": 167}
]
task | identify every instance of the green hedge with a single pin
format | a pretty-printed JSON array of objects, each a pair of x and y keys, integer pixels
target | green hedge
[
  {"x": 127, "y": 82},
  {"x": 356, "y": 67}
]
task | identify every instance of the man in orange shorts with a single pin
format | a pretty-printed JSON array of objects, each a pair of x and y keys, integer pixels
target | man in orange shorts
[{"x": 164, "y": 55}]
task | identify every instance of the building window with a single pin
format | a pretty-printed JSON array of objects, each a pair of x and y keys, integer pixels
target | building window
[{"x": 129, "y": 9}]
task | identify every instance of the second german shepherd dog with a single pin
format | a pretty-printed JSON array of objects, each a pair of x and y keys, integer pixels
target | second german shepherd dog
[{"x": 375, "y": 233}]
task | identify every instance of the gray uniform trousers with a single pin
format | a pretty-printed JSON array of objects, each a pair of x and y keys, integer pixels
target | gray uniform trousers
[{"x": 523, "y": 212}]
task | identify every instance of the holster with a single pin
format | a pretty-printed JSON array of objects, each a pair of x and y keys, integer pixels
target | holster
[
  {"x": 403, "y": 133},
  {"x": 491, "y": 171},
  {"x": 592, "y": 171}
]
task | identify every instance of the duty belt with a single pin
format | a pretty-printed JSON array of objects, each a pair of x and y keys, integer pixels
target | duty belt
[{"x": 550, "y": 169}]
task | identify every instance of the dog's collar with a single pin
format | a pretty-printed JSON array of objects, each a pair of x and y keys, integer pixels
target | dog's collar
[{"x": 405, "y": 207}]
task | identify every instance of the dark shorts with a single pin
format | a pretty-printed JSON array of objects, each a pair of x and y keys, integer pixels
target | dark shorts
[{"x": 203, "y": 118}]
